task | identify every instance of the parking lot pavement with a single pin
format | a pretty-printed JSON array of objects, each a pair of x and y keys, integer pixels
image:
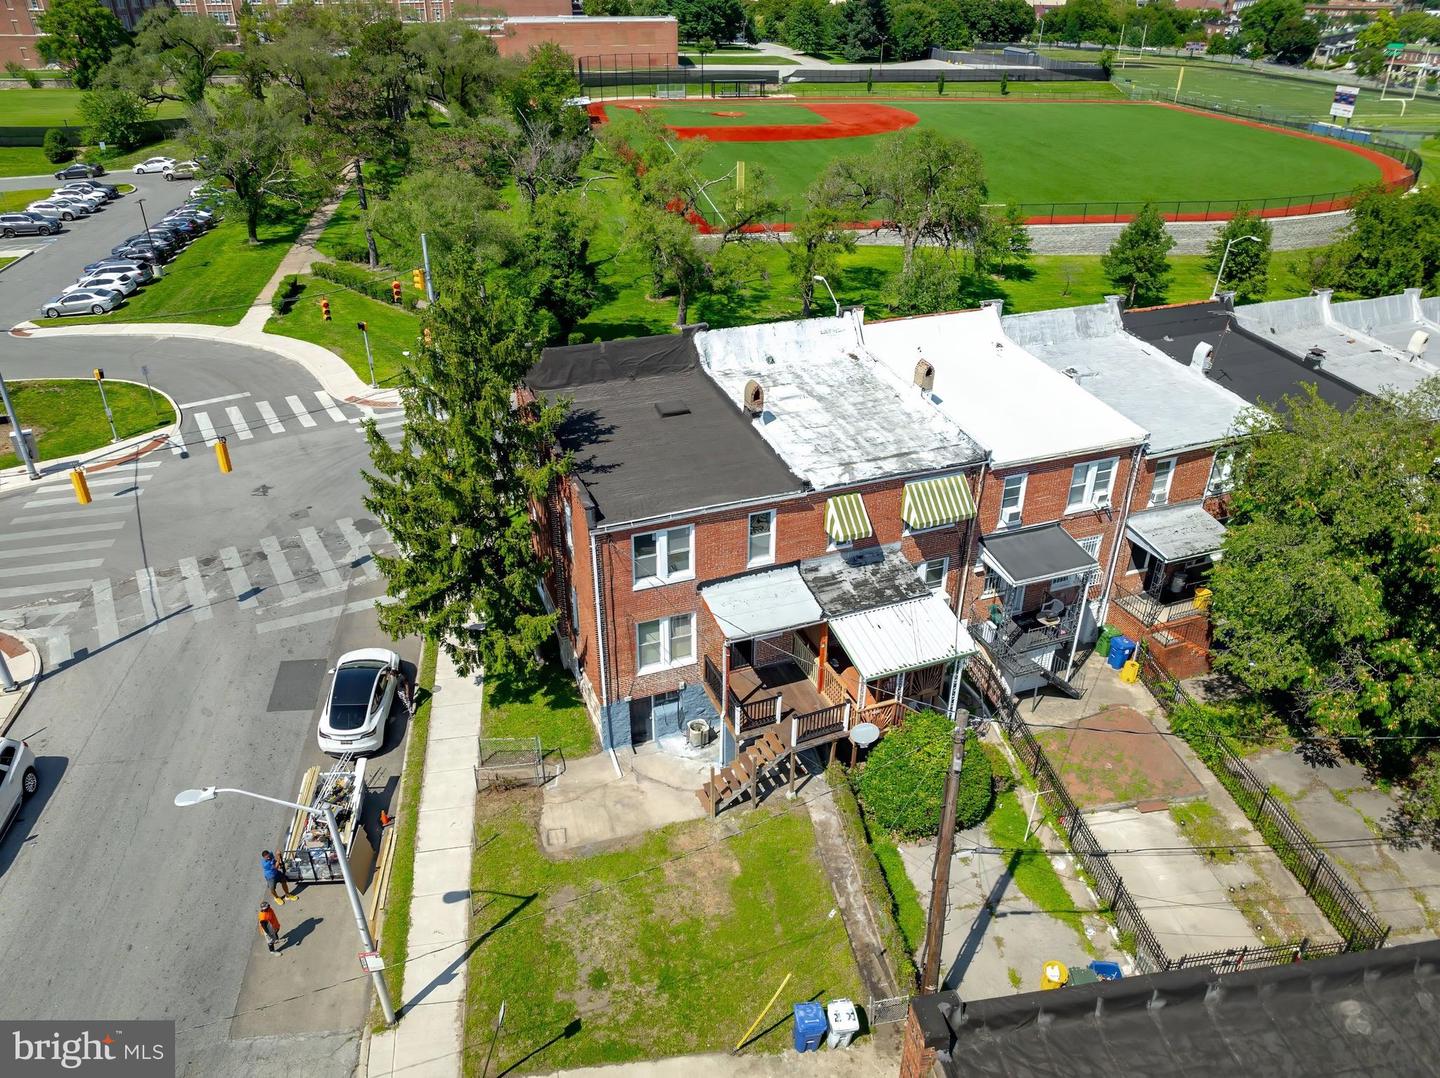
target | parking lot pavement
[{"x": 58, "y": 260}]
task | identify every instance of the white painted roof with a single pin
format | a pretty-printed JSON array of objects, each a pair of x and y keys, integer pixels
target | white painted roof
[
  {"x": 1177, "y": 404},
  {"x": 902, "y": 636},
  {"x": 1002, "y": 396},
  {"x": 755, "y": 604},
  {"x": 832, "y": 413}
]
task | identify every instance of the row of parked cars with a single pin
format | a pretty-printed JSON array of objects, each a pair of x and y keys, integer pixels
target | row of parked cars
[
  {"x": 70, "y": 201},
  {"x": 136, "y": 261}
]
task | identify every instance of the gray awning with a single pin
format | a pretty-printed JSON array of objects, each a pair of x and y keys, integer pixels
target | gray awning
[
  {"x": 1175, "y": 533},
  {"x": 757, "y": 604},
  {"x": 1030, "y": 555},
  {"x": 904, "y": 636},
  {"x": 849, "y": 581}
]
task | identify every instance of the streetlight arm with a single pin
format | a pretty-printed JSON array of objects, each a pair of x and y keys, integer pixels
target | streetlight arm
[{"x": 273, "y": 800}]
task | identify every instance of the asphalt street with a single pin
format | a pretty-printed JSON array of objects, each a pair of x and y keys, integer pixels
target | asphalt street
[{"x": 187, "y": 620}]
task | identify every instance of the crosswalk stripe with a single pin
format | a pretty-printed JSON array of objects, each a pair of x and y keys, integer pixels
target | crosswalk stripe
[
  {"x": 237, "y": 421},
  {"x": 328, "y": 403},
  {"x": 320, "y": 557},
  {"x": 239, "y": 582},
  {"x": 52, "y": 586},
  {"x": 271, "y": 419},
  {"x": 279, "y": 567},
  {"x": 56, "y": 642},
  {"x": 46, "y": 533},
  {"x": 25, "y": 613},
  {"x": 77, "y": 512},
  {"x": 105, "y": 624},
  {"x": 53, "y": 567},
  {"x": 51, "y": 482},
  {"x": 298, "y": 407},
  {"x": 149, "y": 599},
  {"x": 177, "y": 447},
  {"x": 215, "y": 400},
  {"x": 58, "y": 548},
  {"x": 359, "y": 548},
  {"x": 207, "y": 431},
  {"x": 195, "y": 590},
  {"x": 41, "y": 503},
  {"x": 114, "y": 481},
  {"x": 323, "y": 614}
]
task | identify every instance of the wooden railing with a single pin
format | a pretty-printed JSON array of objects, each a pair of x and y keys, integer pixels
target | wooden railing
[
  {"x": 885, "y": 714},
  {"x": 714, "y": 683},
  {"x": 825, "y": 723},
  {"x": 755, "y": 714}
]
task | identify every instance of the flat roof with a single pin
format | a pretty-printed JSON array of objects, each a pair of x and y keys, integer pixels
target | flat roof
[
  {"x": 849, "y": 581},
  {"x": 1254, "y": 369},
  {"x": 1002, "y": 396},
  {"x": 762, "y": 602},
  {"x": 1302, "y": 325},
  {"x": 650, "y": 434},
  {"x": 1178, "y": 405},
  {"x": 833, "y": 414},
  {"x": 1176, "y": 532}
]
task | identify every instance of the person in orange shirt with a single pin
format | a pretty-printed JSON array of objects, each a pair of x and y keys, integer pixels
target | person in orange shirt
[{"x": 269, "y": 927}]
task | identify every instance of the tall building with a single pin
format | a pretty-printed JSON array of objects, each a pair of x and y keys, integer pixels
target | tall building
[{"x": 18, "y": 32}]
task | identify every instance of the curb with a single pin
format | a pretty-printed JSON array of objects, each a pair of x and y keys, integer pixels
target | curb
[
  {"x": 17, "y": 260},
  {"x": 28, "y": 688}
]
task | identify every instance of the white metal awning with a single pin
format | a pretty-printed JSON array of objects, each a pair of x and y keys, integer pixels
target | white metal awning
[
  {"x": 1176, "y": 533},
  {"x": 757, "y": 604},
  {"x": 903, "y": 636}
]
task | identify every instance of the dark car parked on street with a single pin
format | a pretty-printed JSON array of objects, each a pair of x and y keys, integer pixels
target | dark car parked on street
[{"x": 80, "y": 171}]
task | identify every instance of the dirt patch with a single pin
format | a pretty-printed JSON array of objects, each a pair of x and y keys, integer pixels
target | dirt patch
[
  {"x": 843, "y": 119},
  {"x": 700, "y": 882},
  {"x": 731, "y": 115},
  {"x": 1115, "y": 758}
]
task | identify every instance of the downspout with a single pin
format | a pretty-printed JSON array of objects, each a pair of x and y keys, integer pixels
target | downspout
[{"x": 600, "y": 638}]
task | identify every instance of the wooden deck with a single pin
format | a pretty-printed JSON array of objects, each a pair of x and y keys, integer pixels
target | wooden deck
[{"x": 798, "y": 696}]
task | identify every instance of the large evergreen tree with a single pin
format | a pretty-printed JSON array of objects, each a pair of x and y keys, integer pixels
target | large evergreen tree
[{"x": 456, "y": 496}]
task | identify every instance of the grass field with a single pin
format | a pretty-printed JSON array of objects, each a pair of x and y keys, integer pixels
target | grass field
[
  {"x": 12, "y": 201},
  {"x": 24, "y": 160},
  {"x": 549, "y": 708},
  {"x": 5, "y": 260},
  {"x": 1275, "y": 94},
  {"x": 67, "y": 417},
  {"x": 1039, "y": 152},
  {"x": 46, "y": 107},
  {"x": 392, "y": 329}
]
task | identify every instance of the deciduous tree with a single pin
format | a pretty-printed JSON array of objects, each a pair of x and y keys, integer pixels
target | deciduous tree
[
  {"x": 1137, "y": 262},
  {"x": 456, "y": 496},
  {"x": 114, "y": 117},
  {"x": 187, "y": 48},
  {"x": 80, "y": 36},
  {"x": 251, "y": 144},
  {"x": 561, "y": 280},
  {"x": 814, "y": 246},
  {"x": 1247, "y": 269},
  {"x": 806, "y": 27}
]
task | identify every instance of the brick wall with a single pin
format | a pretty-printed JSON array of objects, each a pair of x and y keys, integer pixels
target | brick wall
[
  {"x": 917, "y": 1060},
  {"x": 653, "y": 41}
]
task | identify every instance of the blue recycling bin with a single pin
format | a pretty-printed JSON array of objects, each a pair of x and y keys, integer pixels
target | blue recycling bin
[
  {"x": 1121, "y": 649},
  {"x": 1107, "y": 971},
  {"x": 809, "y": 1027}
]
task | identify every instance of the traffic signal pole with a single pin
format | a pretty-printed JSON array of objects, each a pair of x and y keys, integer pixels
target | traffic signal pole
[
  {"x": 429, "y": 277},
  {"x": 20, "y": 447}
]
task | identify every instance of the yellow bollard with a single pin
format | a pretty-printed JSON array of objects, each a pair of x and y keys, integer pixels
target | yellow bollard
[
  {"x": 222, "y": 456},
  {"x": 82, "y": 488}
]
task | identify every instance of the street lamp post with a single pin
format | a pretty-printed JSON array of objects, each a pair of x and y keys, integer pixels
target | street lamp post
[
  {"x": 369, "y": 356},
  {"x": 187, "y": 798},
  {"x": 146, "y": 221},
  {"x": 20, "y": 446},
  {"x": 1224, "y": 258},
  {"x": 833, "y": 300}
]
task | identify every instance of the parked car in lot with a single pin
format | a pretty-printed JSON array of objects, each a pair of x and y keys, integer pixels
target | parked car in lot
[
  {"x": 94, "y": 282},
  {"x": 27, "y": 224},
  {"x": 109, "y": 190},
  {"x": 93, "y": 199},
  {"x": 359, "y": 703},
  {"x": 181, "y": 170},
  {"x": 137, "y": 254},
  {"x": 188, "y": 227},
  {"x": 18, "y": 779},
  {"x": 61, "y": 208},
  {"x": 158, "y": 240},
  {"x": 168, "y": 230},
  {"x": 153, "y": 164},
  {"x": 80, "y": 170},
  {"x": 81, "y": 302},
  {"x": 143, "y": 272}
]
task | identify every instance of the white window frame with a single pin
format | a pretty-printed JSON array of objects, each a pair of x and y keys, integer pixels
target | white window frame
[
  {"x": 1091, "y": 469},
  {"x": 1019, "y": 505},
  {"x": 922, "y": 571},
  {"x": 768, "y": 558},
  {"x": 1091, "y": 545},
  {"x": 570, "y": 527},
  {"x": 1145, "y": 560},
  {"x": 667, "y": 632},
  {"x": 662, "y": 574},
  {"x": 1222, "y": 471},
  {"x": 574, "y": 612},
  {"x": 1160, "y": 488}
]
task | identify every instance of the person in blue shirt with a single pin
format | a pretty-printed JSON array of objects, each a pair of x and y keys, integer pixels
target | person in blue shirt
[{"x": 275, "y": 878}]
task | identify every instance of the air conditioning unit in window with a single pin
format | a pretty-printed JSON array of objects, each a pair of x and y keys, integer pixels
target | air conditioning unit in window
[
  {"x": 1102, "y": 501},
  {"x": 1009, "y": 518}
]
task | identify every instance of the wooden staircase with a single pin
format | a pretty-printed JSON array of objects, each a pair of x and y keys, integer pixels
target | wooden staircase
[{"x": 743, "y": 776}]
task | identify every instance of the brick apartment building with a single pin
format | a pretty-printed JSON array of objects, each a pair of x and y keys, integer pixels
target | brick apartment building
[
  {"x": 758, "y": 521},
  {"x": 653, "y": 41},
  {"x": 19, "y": 32}
]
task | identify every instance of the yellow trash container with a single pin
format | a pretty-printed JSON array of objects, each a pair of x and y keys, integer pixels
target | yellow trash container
[
  {"x": 1054, "y": 975},
  {"x": 1202, "y": 598},
  {"x": 1130, "y": 672}
]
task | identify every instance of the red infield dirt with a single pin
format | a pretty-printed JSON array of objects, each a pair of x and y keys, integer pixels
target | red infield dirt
[{"x": 846, "y": 119}]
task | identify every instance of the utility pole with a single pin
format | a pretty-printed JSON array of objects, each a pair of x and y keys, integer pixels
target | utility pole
[
  {"x": 425, "y": 261},
  {"x": 944, "y": 850}
]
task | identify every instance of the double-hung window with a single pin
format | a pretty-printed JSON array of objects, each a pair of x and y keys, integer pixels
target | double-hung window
[
  {"x": 760, "y": 539},
  {"x": 933, "y": 573},
  {"x": 574, "y": 612},
  {"x": 665, "y": 643},
  {"x": 569, "y": 528},
  {"x": 1012, "y": 500},
  {"x": 1090, "y": 485},
  {"x": 1160, "y": 488},
  {"x": 1220, "y": 472},
  {"x": 662, "y": 557}
]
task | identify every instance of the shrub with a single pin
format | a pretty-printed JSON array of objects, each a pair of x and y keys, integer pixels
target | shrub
[
  {"x": 114, "y": 117},
  {"x": 364, "y": 281},
  {"x": 350, "y": 251},
  {"x": 16, "y": 71},
  {"x": 286, "y": 294},
  {"x": 57, "y": 147},
  {"x": 1005, "y": 82},
  {"x": 940, "y": 84},
  {"x": 903, "y": 783}
]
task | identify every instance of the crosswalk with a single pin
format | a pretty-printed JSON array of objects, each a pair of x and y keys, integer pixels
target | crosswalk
[
  {"x": 240, "y": 417},
  {"x": 390, "y": 422}
]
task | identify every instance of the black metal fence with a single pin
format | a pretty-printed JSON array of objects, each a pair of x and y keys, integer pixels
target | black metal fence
[{"x": 1358, "y": 927}]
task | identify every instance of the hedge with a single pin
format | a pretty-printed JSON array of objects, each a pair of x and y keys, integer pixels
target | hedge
[
  {"x": 903, "y": 783},
  {"x": 357, "y": 279}
]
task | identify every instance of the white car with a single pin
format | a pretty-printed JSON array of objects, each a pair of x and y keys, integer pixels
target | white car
[
  {"x": 65, "y": 209},
  {"x": 114, "y": 282},
  {"x": 358, "y": 707},
  {"x": 18, "y": 779},
  {"x": 153, "y": 164},
  {"x": 93, "y": 199}
]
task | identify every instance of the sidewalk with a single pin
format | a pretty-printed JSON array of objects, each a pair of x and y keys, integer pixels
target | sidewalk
[
  {"x": 877, "y": 1056},
  {"x": 426, "y": 1043},
  {"x": 25, "y": 667}
]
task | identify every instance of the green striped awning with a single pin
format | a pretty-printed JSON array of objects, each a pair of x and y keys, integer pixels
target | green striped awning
[
  {"x": 932, "y": 502},
  {"x": 846, "y": 519}
]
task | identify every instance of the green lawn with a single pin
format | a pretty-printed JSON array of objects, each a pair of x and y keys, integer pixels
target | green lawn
[
  {"x": 1030, "y": 866},
  {"x": 909, "y": 913},
  {"x": 549, "y": 707},
  {"x": 1081, "y": 155},
  {"x": 48, "y": 108},
  {"x": 24, "y": 160},
  {"x": 164, "y": 148},
  {"x": 5, "y": 260},
  {"x": 11, "y": 201},
  {"x": 1302, "y": 98},
  {"x": 31, "y": 161},
  {"x": 68, "y": 418},
  {"x": 392, "y": 329},
  {"x": 754, "y": 59},
  {"x": 345, "y": 230},
  {"x": 668, "y": 946},
  {"x": 216, "y": 279}
]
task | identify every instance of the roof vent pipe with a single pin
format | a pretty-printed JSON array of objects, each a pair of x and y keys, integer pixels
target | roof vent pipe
[
  {"x": 1203, "y": 358},
  {"x": 925, "y": 375},
  {"x": 754, "y": 400}
]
